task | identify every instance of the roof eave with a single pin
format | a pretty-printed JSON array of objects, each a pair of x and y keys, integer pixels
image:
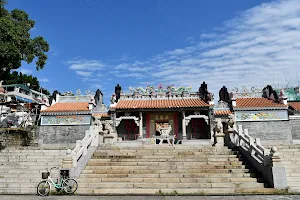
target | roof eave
[
  {"x": 260, "y": 108},
  {"x": 67, "y": 113}
]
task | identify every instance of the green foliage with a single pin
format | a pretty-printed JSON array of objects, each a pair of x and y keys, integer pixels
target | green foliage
[{"x": 16, "y": 45}]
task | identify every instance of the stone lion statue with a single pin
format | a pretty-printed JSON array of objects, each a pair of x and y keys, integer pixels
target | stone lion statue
[
  {"x": 108, "y": 128},
  {"x": 231, "y": 120},
  {"x": 98, "y": 123},
  {"x": 218, "y": 126}
]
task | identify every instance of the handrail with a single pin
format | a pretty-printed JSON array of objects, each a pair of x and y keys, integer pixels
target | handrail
[
  {"x": 83, "y": 145},
  {"x": 242, "y": 139}
]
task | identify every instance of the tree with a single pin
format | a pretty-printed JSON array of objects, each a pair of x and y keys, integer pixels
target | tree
[{"x": 16, "y": 45}]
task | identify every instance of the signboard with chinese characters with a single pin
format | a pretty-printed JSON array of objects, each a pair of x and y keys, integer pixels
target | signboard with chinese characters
[
  {"x": 66, "y": 120},
  {"x": 265, "y": 115}
]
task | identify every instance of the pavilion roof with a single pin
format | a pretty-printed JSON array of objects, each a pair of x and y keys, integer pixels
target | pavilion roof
[
  {"x": 222, "y": 112},
  {"x": 100, "y": 115},
  {"x": 161, "y": 103},
  {"x": 295, "y": 105},
  {"x": 68, "y": 107},
  {"x": 257, "y": 102}
]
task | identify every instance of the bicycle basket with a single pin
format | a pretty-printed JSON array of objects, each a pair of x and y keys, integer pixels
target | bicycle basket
[{"x": 45, "y": 175}]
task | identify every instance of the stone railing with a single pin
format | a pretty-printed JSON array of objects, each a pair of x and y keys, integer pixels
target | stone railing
[
  {"x": 78, "y": 157},
  {"x": 253, "y": 146},
  {"x": 268, "y": 163}
]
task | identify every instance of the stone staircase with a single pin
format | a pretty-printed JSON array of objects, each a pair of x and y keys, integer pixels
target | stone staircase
[
  {"x": 153, "y": 170},
  {"x": 290, "y": 159},
  {"x": 21, "y": 168}
]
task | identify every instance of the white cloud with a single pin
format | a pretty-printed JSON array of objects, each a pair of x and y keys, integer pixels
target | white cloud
[
  {"x": 24, "y": 71},
  {"x": 122, "y": 66},
  {"x": 136, "y": 75},
  {"x": 82, "y": 64},
  {"x": 259, "y": 46},
  {"x": 84, "y": 73},
  {"x": 44, "y": 80}
]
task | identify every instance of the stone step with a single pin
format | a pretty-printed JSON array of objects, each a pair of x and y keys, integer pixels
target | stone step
[
  {"x": 30, "y": 151},
  {"x": 169, "y": 175},
  {"x": 187, "y": 191},
  {"x": 292, "y": 169},
  {"x": 18, "y": 185},
  {"x": 138, "y": 167},
  {"x": 142, "y": 171},
  {"x": 295, "y": 189},
  {"x": 234, "y": 163},
  {"x": 169, "y": 180},
  {"x": 18, "y": 190},
  {"x": 160, "y": 151},
  {"x": 294, "y": 183},
  {"x": 155, "y": 160},
  {"x": 230, "y": 153},
  {"x": 293, "y": 174},
  {"x": 19, "y": 180},
  {"x": 99, "y": 162},
  {"x": 170, "y": 185},
  {"x": 290, "y": 162},
  {"x": 165, "y": 154},
  {"x": 293, "y": 179},
  {"x": 30, "y": 160}
]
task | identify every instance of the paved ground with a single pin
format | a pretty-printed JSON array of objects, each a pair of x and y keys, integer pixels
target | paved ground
[{"x": 254, "y": 197}]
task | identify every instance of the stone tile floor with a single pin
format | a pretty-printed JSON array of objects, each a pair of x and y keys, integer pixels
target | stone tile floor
[{"x": 252, "y": 197}]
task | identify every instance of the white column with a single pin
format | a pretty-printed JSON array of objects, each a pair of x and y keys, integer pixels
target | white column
[
  {"x": 183, "y": 126},
  {"x": 141, "y": 125}
]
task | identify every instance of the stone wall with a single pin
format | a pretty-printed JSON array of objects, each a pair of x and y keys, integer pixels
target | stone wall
[
  {"x": 269, "y": 130},
  {"x": 60, "y": 136},
  {"x": 295, "y": 127},
  {"x": 15, "y": 138}
]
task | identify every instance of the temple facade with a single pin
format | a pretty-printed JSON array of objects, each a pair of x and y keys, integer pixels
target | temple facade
[
  {"x": 189, "y": 116},
  {"x": 146, "y": 113}
]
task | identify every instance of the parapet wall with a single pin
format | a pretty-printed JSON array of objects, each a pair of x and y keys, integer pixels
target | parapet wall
[
  {"x": 60, "y": 136},
  {"x": 295, "y": 128},
  {"x": 269, "y": 131}
]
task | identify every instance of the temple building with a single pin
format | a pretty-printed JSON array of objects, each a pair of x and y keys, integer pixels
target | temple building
[
  {"x": 192, "y": 116},
  {"x": 146, "y": 113},
  {"x": 69, "y": 117}
]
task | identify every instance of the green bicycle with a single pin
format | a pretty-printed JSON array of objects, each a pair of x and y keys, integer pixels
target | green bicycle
[{"x": 69, "y": 185}]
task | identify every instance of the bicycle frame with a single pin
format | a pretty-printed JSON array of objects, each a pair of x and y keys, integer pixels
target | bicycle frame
[{"x": 51, "y": 182}]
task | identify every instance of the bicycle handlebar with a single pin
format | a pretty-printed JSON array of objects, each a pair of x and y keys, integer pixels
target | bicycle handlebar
[{"x": 51, "y": 169}]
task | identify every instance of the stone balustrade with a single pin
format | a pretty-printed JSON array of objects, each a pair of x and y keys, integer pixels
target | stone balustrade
[
  {"x": 77, "y": 158},
  {"x": 253, "y": 146},
  {"x": 265, "y": 161}
]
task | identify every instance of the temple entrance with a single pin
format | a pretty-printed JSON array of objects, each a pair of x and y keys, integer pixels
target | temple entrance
[
  {"x": 197, "y": 129},
  {"x": 128, "y": 130}
]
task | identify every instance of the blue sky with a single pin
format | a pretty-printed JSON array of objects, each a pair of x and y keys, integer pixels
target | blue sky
[{"x": 97, "y": 44}]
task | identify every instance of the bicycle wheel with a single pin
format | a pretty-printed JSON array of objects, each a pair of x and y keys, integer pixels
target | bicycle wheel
[
  {"x": 43, "y": 188},
  {"x": 70, "y": 185}
]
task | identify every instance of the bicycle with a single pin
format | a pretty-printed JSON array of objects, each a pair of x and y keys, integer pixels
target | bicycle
[{"x": 69, "y": 185}]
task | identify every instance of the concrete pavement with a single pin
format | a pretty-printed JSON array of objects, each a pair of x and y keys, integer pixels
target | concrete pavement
[{"x": 74, "y": 197}]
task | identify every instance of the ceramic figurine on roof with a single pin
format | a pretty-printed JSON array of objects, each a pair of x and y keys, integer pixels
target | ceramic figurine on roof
[
  {"x": 98, "y": 97},
  {"x": 118, "y": 90},
  {"x": 269, "y": 93},
  {"x": 204, "y": 94},
  {"x": 224, "y": 95}
]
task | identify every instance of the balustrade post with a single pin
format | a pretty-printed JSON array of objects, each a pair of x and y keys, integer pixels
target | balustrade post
[
  {"x": 141, "y": 125},
  {"x": 183, "y": 126},
  {"x": 67, "y": 162},
  {"x": 278, "y": 171}
]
